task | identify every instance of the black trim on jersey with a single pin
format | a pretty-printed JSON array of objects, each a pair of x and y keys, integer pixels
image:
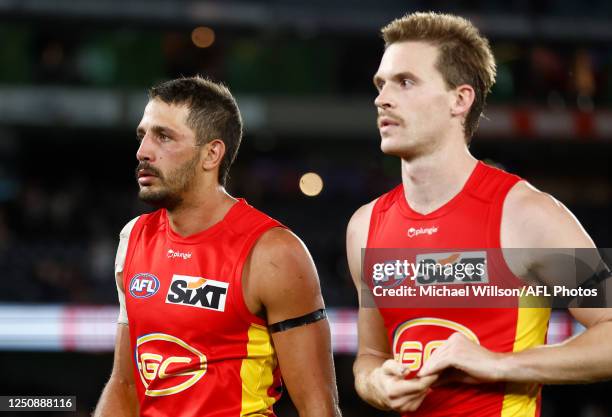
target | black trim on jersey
[{"x": 309, "y": 318}]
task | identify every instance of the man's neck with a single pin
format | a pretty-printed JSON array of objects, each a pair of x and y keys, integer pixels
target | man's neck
[
  {"x": 432, "y": 180},
  {"x": 200, "y": 211}
]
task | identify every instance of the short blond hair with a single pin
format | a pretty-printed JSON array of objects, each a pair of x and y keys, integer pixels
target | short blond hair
[{"x": 465, "y": 56}]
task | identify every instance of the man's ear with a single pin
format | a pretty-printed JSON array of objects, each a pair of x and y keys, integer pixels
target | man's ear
[
  {"x": 463, "y": 99},
  {"x": 213, "y": 153}
]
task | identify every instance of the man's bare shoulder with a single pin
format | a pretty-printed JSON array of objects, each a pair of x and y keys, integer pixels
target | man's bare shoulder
[
  {"x": 278, "y": 242},
  {"x": 357, "y": 238},
  {"x": 535, "y": 219},
  {"x": 525, "y": 202},
  {"x": 361, "y": 217},
  {"x": 283, "y": 278},
  {"x": 279, "y": 257}
]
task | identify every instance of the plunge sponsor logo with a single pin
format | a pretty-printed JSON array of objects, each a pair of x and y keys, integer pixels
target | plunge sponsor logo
[
  {"x": 412, "y": 232},
  {"x": 197, "y": 292},
  {"x": 172, "y": 254}
]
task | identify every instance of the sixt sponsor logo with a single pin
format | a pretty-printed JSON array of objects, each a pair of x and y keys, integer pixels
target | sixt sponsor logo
[
  {"x": 197, "y": 292},
  {"x": 167, "y": 365},
  {"x": 452, "y": 268},
  {"x": 144, "y": 285},
  {"x": 176, "y": 254}
]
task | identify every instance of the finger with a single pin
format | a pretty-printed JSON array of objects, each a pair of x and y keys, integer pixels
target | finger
[
  {"x": 438, "y": 360},
  {"x": 410, "y": 387},
  {"x": 457, "y": 337},
  {"x": 452, "y": 375},
  {"x": 411, "y": 404},
  {"x": 434, "y": 365},
  {"x": 427, "y": 381},
  {"x": 392, "y": 367}
]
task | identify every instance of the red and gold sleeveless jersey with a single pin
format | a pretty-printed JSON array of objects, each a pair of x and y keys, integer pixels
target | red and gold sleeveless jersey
[
  {"x": 197, "y": 350},
  {"x": 471, "y": 220}
]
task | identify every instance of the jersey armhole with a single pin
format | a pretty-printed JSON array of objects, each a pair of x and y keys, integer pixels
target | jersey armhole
[
  {"x": 373, "y": 223},
  {"x": 136, "y": 229},
  {"x": 381, "y": 204},
  {"x": 497, "y": 208},
  {"x": 122, "y": 247},
  {"x": 237, "y": 293},
  {"x": 494, "y": 233}
]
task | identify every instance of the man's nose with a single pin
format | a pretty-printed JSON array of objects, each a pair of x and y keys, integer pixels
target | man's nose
[
  {"x": 145, "y": 149},
  {"x": 383, "y": 99}
]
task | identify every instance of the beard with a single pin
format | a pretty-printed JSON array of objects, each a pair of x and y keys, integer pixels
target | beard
[{"x": 169, "y": 193}]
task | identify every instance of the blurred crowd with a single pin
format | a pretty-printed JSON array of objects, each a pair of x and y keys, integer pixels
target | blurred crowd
[
  {"x": 59, "y": 229},
  {"x": 544, "y": 71}
]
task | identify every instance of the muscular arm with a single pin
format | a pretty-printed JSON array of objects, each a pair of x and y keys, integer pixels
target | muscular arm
[
  {"x": 373, "y": 348},
  {"x": 535, "y": 220},
  {"x": 379, "y": 379},
  {"x": 118, "y": 398},
  {"x": 584, "y": 358},
  {"x": 543, "y": 222},
  {"x": 281, "y": 283}
]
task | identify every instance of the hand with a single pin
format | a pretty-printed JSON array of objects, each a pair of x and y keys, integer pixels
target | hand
[
  {"x": 465, "y": 361},
  {"x": 397, "y": 393}
]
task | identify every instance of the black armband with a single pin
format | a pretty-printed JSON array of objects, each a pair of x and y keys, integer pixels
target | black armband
[
  {"x": 309, "y": 318},
  {"x": 597, "y": 278}
]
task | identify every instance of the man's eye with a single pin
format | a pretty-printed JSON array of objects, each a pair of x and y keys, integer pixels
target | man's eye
[
  {"x": 139, "y": 138},
  {"x": 407, "y": 82},
  {"x": 164, "y": 138}
]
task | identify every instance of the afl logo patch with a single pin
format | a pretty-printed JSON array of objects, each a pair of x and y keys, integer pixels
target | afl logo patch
[{"x": 144, "y": 285}]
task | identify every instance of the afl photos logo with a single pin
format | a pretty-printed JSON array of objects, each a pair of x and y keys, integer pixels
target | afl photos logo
[
  {"x": 143, "y": 285},
  {"x": 167, "y": 365},
  {"x": 415, "y": 340}
]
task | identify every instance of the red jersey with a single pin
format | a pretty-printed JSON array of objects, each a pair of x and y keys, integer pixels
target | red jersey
[
  {"x": 471, "y": 220},
  {"x": 198, "y": 351}
]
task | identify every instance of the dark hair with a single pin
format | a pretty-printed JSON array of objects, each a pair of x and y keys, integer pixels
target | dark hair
[
  {"x": 465, "y": 56},
  {"x": 213, "y": 113}
]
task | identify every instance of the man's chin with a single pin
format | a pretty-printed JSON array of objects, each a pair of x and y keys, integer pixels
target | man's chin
[
  {"x": 393, "y": 149},
  {"x": 159, "y": 199},
  {"x": 401, "y": 147}
]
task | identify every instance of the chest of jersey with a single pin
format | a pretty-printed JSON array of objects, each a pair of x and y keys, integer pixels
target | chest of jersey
[
  {"x": 191, "y": 334},
  {"x": 180, "y": 289},
  {"x": 465, "y": 231}
]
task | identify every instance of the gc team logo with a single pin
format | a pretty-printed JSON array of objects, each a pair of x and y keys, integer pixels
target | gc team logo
[
  {"x": 415, "y": 340},
  {"x": 144, "y": 285},
  {"x": 167, "y": 365}
]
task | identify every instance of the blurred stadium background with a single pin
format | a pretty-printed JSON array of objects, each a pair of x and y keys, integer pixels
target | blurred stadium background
[{"x": 73, "y": 80}]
